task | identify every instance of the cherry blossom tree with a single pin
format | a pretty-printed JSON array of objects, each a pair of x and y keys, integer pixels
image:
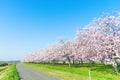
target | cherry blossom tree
[
  {"x": 99, "y": 41},
  {"x": 102, "y": 38}
]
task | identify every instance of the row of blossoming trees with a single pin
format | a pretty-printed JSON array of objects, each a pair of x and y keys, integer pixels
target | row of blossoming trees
[{"x": 97, "y": 42}]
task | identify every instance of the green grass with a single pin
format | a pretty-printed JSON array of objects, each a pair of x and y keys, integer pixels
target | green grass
[
  {"x": 1, "y": 69},
  {"x": 77, "y": 72},
  {"x": 9, "y": 74},
  {"x": 3, "y": 66}
]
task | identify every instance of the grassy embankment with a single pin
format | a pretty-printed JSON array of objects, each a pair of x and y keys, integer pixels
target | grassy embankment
[
  {"x": 77, "y": 72},
  {"x": 3, "y": 66},
  {"x": 9, "y": 73}
]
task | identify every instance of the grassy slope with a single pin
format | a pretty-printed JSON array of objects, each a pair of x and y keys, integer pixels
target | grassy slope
[
  {"x": 9, "y": 74},
  {"x": 2, "y": 68},
  {"x": 80, "y": 72}
]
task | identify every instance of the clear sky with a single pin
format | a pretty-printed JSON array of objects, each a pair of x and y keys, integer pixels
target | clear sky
[{"x": 29, "y": 25}]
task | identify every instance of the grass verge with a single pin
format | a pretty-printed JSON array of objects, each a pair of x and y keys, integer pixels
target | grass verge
[
  {"x": 10, "y": 73},
  {"x": 77, "y": 72}
]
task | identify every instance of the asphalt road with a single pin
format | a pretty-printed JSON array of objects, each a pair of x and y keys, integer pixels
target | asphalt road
[{"x": 27, "y": 73}]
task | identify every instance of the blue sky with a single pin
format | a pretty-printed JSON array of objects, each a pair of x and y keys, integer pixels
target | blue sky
[{"x": 28, "y": 25}]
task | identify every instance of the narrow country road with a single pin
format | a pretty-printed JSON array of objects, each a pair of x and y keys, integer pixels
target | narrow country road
[{"x": 27, "y": 73}]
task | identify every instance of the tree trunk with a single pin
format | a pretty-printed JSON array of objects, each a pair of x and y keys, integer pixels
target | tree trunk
[
  {"x": 64, "y": 62},
  {"x": 73, "y": 62},
  {"x": 114, "y": 64},
  {"x": 69, "y": 65},
  {"x": 81, "y": 61},
  {"x": 69, "y": 61}
]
